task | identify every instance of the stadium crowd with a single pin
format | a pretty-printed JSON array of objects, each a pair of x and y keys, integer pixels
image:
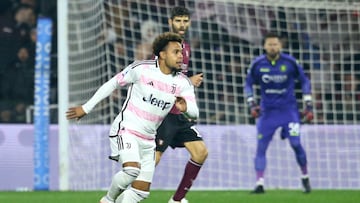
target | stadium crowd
[{"x": 17, "y": 58}]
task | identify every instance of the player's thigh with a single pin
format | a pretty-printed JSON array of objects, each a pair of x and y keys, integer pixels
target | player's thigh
[
  {"x": 197, "y": 150},
  {"x": 128, "y": 148},
  {"x": 147, "y": 153},
  {"x": 291, "y": 126},
  {"x": 292, "y": 132},
  {"x": 266, "y": 127}
]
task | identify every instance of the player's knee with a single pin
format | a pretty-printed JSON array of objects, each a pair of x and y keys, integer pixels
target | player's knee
[
  {"x": 123, "y": 178},
  {"x": 295, "y": 143},
  {"x": 200, "y": 154},
  {"x": 204, "y": 153},
  {"x": 131, "y": 171}
]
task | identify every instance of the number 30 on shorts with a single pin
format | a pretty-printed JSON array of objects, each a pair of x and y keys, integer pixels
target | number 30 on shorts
[{"x": 294, "y": 129}]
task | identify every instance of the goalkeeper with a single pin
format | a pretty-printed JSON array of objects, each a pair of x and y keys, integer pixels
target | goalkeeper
[{"x": 276, "y": 73}]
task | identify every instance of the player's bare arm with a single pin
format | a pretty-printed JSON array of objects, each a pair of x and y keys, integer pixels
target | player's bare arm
[
  {"x": 75, "y": 113},
  {"x": 197, "y": 79}
]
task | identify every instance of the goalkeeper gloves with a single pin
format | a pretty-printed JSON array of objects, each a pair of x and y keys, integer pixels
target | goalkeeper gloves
[
  {"x": 254, "y": 108},
  {"x": 307, "y": 114}
]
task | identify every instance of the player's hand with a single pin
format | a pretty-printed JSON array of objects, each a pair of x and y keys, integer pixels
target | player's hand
[
  {"x": 75, "y": 113},
  {"x": 197, "y": 79},
  {"x": 254, "y": 109},
  {"x": 180, "y": 104},
  {"x": 307, "y": 114}
]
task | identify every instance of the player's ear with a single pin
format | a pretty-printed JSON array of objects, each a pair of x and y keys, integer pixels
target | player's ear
[
  {"x": 162, "y": 54},
  {"x": 281, "y": 44}
]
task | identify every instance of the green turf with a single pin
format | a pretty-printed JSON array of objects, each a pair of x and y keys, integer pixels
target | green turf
[{"x": 271, "y": 196}]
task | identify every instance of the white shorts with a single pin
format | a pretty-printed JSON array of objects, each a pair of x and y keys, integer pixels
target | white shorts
[{"x": 135, "y": 149}]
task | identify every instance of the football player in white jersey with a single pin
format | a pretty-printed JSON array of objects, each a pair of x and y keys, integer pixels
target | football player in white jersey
[{"x": 154, "y": 86}]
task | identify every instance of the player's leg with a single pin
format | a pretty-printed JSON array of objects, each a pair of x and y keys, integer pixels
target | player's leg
[
  {"x": 198, "y": 151},
  {"x": 265, "y": 132},
  {"x": 140, "y": 187},
  {"x": 193, "y": 142},
  {"x": 292, "y": 131},
  {"x": 165, "y": 134},
  {"x": 130, "y": 159},
  {"x": 158, "y": 155}
]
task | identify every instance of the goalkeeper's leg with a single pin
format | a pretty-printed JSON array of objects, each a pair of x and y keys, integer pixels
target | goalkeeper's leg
[
  {"x": 301, "y": 160},
  {"x": 265, "y": 134},
  {"x": 260, "y": 163},
  {"x": 299, "y": 153}
]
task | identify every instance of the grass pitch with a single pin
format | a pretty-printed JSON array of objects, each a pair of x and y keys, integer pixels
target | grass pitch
[{"x": 159, "y": 196}]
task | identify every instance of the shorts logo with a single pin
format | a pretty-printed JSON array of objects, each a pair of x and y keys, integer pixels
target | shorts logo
[{"x": 160, "y": 142}]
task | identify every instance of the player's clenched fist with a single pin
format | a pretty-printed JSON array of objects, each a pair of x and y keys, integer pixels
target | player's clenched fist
[
  {"x": 75, "y": 113},
  {"x": 180, "y": 104}
]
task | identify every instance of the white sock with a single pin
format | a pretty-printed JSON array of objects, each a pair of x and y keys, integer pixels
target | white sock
[
  {"x": 132, "y": 195},
  {"x": 260, "y": 181},
  {"x": 304, "y": 176}
]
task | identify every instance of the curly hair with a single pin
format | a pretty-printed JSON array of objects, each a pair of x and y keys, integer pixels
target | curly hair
[{"x": 162, "y": 41}]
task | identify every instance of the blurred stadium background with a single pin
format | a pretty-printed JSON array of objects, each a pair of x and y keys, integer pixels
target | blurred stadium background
[{"x": 104, "y": 36}]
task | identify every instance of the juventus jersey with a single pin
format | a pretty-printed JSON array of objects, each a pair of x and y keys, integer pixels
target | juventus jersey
[{"x": 151, "y": 95}]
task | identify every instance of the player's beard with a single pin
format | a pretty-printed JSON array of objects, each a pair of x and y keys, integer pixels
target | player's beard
[
  {"x": 175, "y": 70},
  {"x": 180, "y": 29},
  {"x": 273, "y": 55}
]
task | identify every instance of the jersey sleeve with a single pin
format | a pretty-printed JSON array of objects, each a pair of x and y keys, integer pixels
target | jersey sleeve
[
  {"x": 130, "y": 74},
  {"x": 188, "y": 93},
  {"x": 304, "y": 80},
  {"x": 104, "y": 91},
  {"x": 249, "y": 82}
]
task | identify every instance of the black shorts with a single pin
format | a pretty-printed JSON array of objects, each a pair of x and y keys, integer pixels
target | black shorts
[{"x": 174, "y": 131}]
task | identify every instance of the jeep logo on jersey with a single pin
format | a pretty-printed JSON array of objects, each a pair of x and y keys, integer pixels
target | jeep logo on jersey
[
  {"x": 157, "y": 102},
  {"x": 274, "y": 78}
]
